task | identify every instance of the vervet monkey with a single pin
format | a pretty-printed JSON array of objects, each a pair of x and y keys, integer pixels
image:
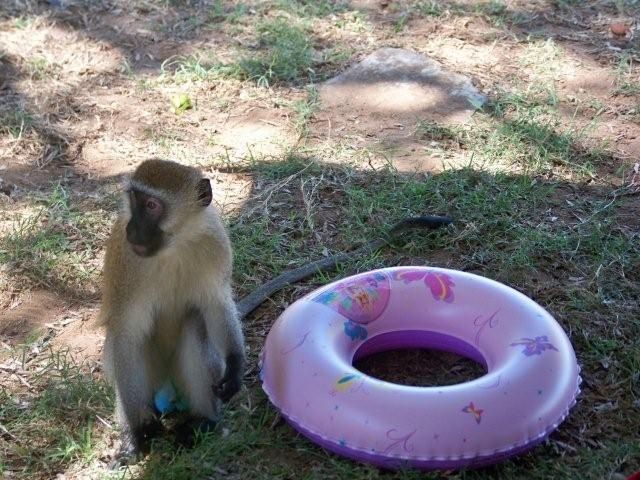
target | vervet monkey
[{"x": 167, "y": 302}]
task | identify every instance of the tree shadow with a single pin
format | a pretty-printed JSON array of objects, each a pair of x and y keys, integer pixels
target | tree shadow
[
  {"x": 18, "y": 118},
  {"x": 548, "y": 239},
  {"x": 562, "y": 244}
]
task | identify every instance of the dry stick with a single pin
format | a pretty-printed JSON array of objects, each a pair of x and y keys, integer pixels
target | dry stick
[
  {"x": 5, "y": 431},
  {"x": 259, "y": 295}
]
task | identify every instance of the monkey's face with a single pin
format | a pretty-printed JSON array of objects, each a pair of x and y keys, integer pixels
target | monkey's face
[
  {"x": 143, "y": 230},
  {"x": 165, "y": 203}
]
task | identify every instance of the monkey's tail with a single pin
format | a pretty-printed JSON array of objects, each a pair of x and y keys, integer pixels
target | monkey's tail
[
  {"x": 426, "y": 221},
  {"x": 252, "y": 301}
]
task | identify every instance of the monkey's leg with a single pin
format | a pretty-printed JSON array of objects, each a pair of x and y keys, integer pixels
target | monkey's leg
[
  {"x": 198, "y": 368},
  {"x": 129, "y": 367},
  {"x": 225, "y": 333}
]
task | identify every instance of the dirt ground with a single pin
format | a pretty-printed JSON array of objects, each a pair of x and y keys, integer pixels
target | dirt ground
[
  {"x": 85, "y": 91},
  {"x": 92, "y": 122}
]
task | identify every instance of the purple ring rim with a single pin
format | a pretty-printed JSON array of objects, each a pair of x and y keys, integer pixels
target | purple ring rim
[
  {"x": 424, "y": 339},
  {"x": 399, "y": 339},
  {"x": 390, "y": 462}
]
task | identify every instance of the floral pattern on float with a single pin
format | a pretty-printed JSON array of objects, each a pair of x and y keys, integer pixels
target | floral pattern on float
[
  {"x": 361, "y": 299},
  {"x": 440, "y": 284},
  {"x": 535, "y": 346},
  {"x": 354, "y": 331},
  {"x": 349, "y": 382}
]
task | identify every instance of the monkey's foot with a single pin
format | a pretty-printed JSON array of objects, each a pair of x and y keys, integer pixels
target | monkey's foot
[
  {"x": 187, "y": 431},
  {"x": 127, "y": 454},
  {"x": 134, "y": 445},
  {"x": 144, "y": 434}
]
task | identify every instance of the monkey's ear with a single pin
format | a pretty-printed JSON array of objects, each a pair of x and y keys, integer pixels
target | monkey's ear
[{"x": 204, "y": 192}]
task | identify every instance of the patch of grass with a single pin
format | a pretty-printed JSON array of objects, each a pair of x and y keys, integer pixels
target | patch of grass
[
  {"x": 460, "y": 193},
  {"x": 354, "y": 21},
  {"x": 492, "y": 8},
  {"x": 527, "y": 131},
  {"x": 33, "y": 337},
  {"x": 39, "y": 68},
  {"x": 627, "y": 88},
  {"x": 337, "y": 55},
  {"x": 167, "y": 140},
  {"x": 53, "y": 245},
  {"x": 542, "y": 60},
  {"x": 311, "y": 8},
  {"x": 292, "y": 164},
  {"x": 521, "y": 102},
  {"x": 627, "y": 84},
  {"x": 287, "y": 56},
  {"x": 634, "y": 113},
  {"x": 272, "y": 235},
  {"x": 428, "y": 8},
  {"x": 54, "y": 424},
  {"x": 33, "y": 241},
  {"x": 516, "y": 132},
  {"x": 15, "y": 122},
  {"x": 144, "y": 85},
  {"x": 536, "y": 145},
  {"x": 234, "y": 14},
  {"x": 194, "y": 68},
  {"x": 256, "y": 237},
  {"x": 304, "y": 110},
  {"x": 401, "y": 21},
  {"x": 247, "y": 448},
  {"x": 541, "y": 55},
  {"x": 22, "y": 22},
  {"x": 173, "y": 142},
  {"x": 72, "y": 447},
  {"x": 435, "y": 132}
]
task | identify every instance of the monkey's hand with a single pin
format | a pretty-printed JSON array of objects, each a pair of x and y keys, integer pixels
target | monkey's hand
[{"x": 232, "y": 380}]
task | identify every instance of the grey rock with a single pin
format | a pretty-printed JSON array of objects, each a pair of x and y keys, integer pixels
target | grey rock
[{"x": 394, "y": 81}]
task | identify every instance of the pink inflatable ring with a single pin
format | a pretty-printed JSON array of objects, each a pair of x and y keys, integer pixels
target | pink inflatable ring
[{"x": 532, "y": 377}]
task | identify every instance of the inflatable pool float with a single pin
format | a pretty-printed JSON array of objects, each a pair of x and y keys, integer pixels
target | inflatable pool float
[{"x": 532, "y": 377}]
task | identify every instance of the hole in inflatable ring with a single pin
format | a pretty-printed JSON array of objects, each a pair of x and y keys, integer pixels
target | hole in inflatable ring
[{"x": 419, "y": 359}]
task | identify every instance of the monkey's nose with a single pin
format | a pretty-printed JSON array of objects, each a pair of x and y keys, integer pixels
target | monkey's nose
[{"x": 140, "y": 250}]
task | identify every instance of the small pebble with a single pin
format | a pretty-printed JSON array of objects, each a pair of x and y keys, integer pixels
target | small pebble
[{"x": 619, "y": 29}]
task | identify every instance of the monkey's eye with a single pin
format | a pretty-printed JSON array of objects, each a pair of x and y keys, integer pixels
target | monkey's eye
[{"x": 153, "y": 206}]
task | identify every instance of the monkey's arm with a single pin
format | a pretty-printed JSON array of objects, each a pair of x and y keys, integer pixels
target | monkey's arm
[
  {"x": 225, "y": 332},
  {"x": 255, "y": 298}
]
